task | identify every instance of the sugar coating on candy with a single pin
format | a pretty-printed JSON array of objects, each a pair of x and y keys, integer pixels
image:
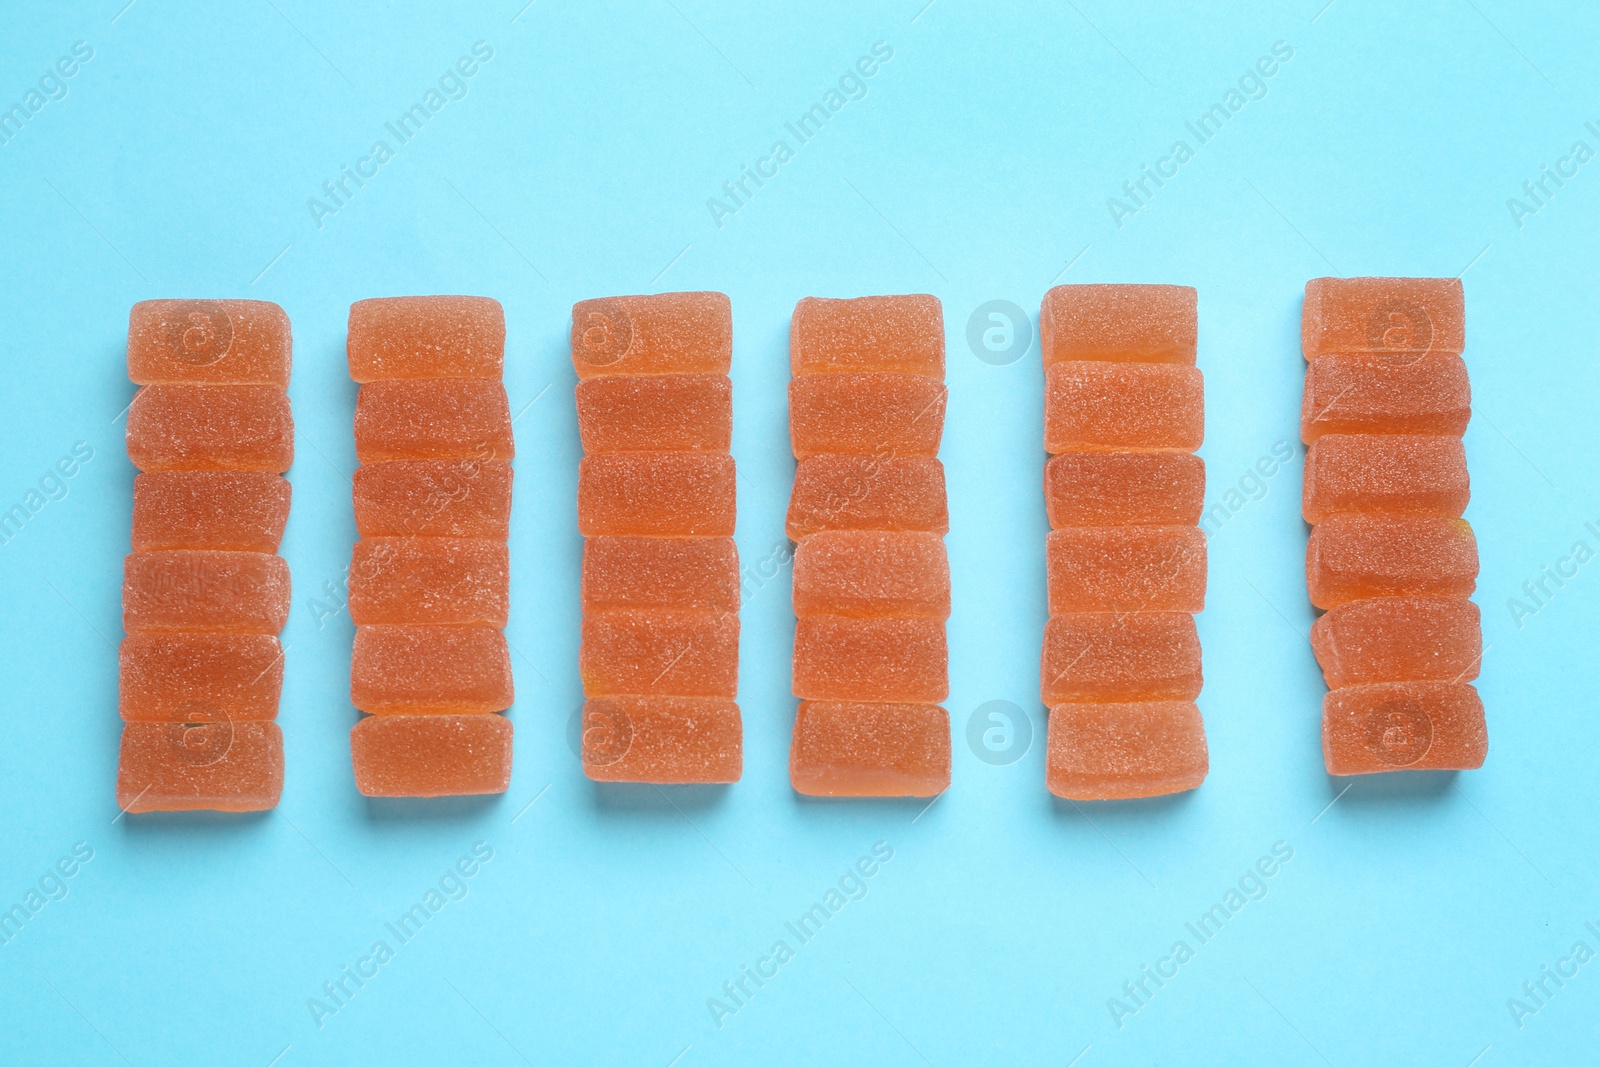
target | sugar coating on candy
[
  {"x": 1103, "y": 656},
  {"x": 1385, "y": 394},
  {"x": 205, "y": 591},
  {"x": 1126, "y": 568},
  {"x": 1124, "y": 489},
  {"x": 1413, "y": 315},
  {"x": 1399, "y": 639},
  {"x": 217, "y": 342},
  {"x": 211, "y": 766},
  {"x": 433, "y": 498},
  {"x": 668, "y": 740},
  {"x": 243, "y": 510},
  {"x": 413, "y": 670},
  {"x": 869, "y": 573},
  {"x": 442, "y": 418},
  {"x": 210, "y": 427},
  {"x": 1393, "y": 726},
  {"x": 895, "y": 660},
  {"x": 660, "y": 572},
  {"x": 869, "y": 333},
  {"x": 660, "y": 652},
  {"x": 1351, "y": 556},
  {"x": 1139, "y": 323},
  {"x": 868, "y": 493},
  {"x": 866, "y": 414},
  {"x": 845, "y": 749},
  {"x": 1121, "y": 406},
  {"x": 661, "y": 412},
  {"x": 199, "y": 677},
  {"x": 438, "y": 580},
  {"x": 431, "y": 755},
  {"x": 668, "y": 333},
  {"x": 1421, "y": 473},
  {"x": 1126, "y": 750},
  {"x": 657, "y": 494},
  {"x": 401, "y": 337}
]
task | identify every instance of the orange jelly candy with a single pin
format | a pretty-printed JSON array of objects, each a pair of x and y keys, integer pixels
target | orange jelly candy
[
  {"x": 866, "y": 414},
  {"x": 869, "y": 333},
  {"x": 1124, "y": 489},
  {"x": 243, "y": 510},
  {"x": 1385, "y": 394},
  {"x": 1421, "y": 473},
  {"x": 211, "y": 427},
  {"x": 215, "y": 342},
  {"x": 199, "y": 677},
  {"x": 411, "y": 669},
  {"x": 1399, "y": 639},
  {"x": 657, "y": 494},
  {"x": 1351, "y": 556},
  {"x": 668, "y": 740},
  {"x": 897, "y": 660},
  {"x": 868, "y": 493},
  {"x": 660, "y": 652},
  {"x": 433, "y": 498},
  {"x": 660, "y": 572},
  {"x": 844, "y": 749},
  {"x": 1119, "y": 406},
  {"x": 431, "y": 755},
  {"x": 439, "y": 580},
  {"x": 1142, "y": 655},
  {"x": 400, "y": 337},
  {"x": 1125, "y": 751},
  {"x": 661, "y": 412},
  {"x": 212, "y": 766},
  {"x": 1411, "y": 315},
  {"x": 669, "y": 333},
  {"x": 440, "y": 418},
  {"x": 1395, "y": 726},
  {"x": 1127, "y": 568},
  {"x": 205, "y": 591},
  {"x": 868, "y": 573},
  {"x": 1139, "y": 323}
]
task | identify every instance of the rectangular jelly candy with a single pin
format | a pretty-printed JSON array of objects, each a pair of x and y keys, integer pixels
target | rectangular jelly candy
[
  {"x": 1392, "y": 726},
  {"x": 1124, "y": 489},
  {"x": 1121, "y": 406},
  {"x": 243, "y": 510},
  {"x": 205, "y": 591},
  {"x": 414, "y": 670},
  {"x": 433, "y": 498},
  {"x": 1399, "y": 639},
  {"x": 431, "y": 755},
  {"x": 199, "y": 677},
  {"x": 1101, "y": 656},
  {"x": 657, "y": 494},
  {"x": 437, "y": 580},
  {"x": 1420, "y": 473},
  {"x": 1351, "y": 556},
  {"x": 1415, "y": 315},
  {"x": 1138, "y": 323},
  {"x": 655, "y": 412},
  {"x": 667, "y": 740},
  {"x": 1126, "y": 568},
  {"x": 844, "y": 749},
  {"x": 668, "y": 333},
  {"x": 440, "y": 418},
  {"x": 398, "y": 337},
  {"x": 893, "y": 660},
  {"x": 660, "y": 652},
  {"x": 868, "y": 573},
  {"x": 211, "y": 766},
  {"x": 866, "y": 414},
  {"x": 215, "y": 342},
  {"x": 211, "y": 427},
  {"x": 660, "y": 572},
  {"x": 869, "y": 333},
  {"x": 1124, "y": 751},
  {"x": 1385, "y": 394},
  {"x": 868, "y": 493}
]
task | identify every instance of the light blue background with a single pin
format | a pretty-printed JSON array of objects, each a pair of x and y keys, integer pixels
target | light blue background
[{"x": 978, "y": 167}]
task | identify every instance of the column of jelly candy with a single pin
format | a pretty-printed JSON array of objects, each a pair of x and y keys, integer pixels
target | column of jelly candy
[
  {"x": 1390, "y": 559},
  {"x": 656, "y": 503},
  {"x": 871, "y": 578},
  {"x": 1124, "y": 413},
  {"x": 204, "y": 593},
  {"x": 430, "y": 577}
]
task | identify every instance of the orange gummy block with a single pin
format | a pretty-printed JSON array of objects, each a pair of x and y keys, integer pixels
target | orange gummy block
[
  {"x": 669, "y": 333},
  {"x": 1116, "y": 406},
  {"x": 1142, "y": 655},
  {"x": 1126, "y": 568},
  {"x": 881, "y": 414},
  {"x": 1140, "y": 323},
  {"x": 1421, "y": 473},
  {"x": 1124, "y": 489},
  {"x": 657, "y": 494},
  {"x": 433, "y": 498},
  {"x": 440, "y": 418},
  {"x": 198, "y": 677},
  {"x": 1385, "y": 394},
  {"x": 217, "y": 342},
  {"x": 211, "y": 427},
  {"x": 431, "y": 755},
  {"x": 244, "y": 510},
  {"x": 1391, "y": 726},
  {"x": 869, "y": 333},
  {"x": 900, "y": 660},
  {"x": 412, "y": 670},
  {"x": 867, "y": 573},
  {"x": 1123, "y": 751},
  {"x": 844, "y": 749},
  {"x": 214, "y": 766},
  {"x": 205, "y": 591},
  {"x": 400, "y": 337},
  {"x": 656, "y": 412},
  {"x": 868, "y": 493},
  {"x": 1351, "y": 556},
  {"x": 660, "y": 572},
  {"x": 662, "y": 739},
  {"x": 660, "y": 652},
  {"x": 1399, "y": 639},
  {"x": 436, "y": 580},
  {"x": 1414, "y": 315}
]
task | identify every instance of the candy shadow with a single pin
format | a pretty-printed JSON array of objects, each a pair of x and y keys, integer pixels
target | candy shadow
[
  {"x": 156, "y": 824},
  {"x": 1139, "y": 807},
  {"x": 1392, "y": 786},
  {"x": 630, "y": 797},
  {"x": 431, "y": 809}
]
